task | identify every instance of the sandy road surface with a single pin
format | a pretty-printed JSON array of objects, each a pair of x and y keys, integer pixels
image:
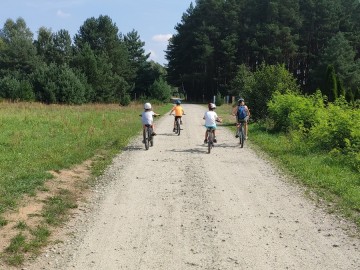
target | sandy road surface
[{"x": 177, "y": 207}]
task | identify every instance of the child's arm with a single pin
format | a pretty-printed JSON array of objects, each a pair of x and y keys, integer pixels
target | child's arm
[{"x": 235, "y": 110}]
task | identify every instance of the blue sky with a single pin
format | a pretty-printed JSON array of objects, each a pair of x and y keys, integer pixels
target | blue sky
[{"x": 154, "y": 20}]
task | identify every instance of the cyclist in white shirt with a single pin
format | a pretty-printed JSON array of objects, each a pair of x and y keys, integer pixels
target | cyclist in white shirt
[
  {"x": 211, "y": 118},
  {"x": 147, "y": 117}
]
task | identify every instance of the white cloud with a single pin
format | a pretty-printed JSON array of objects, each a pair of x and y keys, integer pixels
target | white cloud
[
  {"x": 153, "y": 55},
  {"x": 62, "y": 14},
  {"x": 162, "y": 38}
]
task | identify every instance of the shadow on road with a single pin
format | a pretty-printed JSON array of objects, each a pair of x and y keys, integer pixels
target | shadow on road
[
  {"x": 133, "y": 148},
  {"x": 193, "y": 150}
]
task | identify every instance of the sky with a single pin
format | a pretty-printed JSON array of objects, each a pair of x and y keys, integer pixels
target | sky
[{"x": 154, "y": 20}]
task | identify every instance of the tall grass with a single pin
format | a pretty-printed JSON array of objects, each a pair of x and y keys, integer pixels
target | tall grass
[{"x": 37, "y": 138}]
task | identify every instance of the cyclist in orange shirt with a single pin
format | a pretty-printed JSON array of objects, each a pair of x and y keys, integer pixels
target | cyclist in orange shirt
[{"x": 179, "y": 112}]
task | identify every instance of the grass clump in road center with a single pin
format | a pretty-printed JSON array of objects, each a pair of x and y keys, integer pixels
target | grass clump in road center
[{"x": 335, "y": 182}]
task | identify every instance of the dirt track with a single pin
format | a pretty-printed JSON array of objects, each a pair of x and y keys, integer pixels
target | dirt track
[{"x": 177, "y": 207}]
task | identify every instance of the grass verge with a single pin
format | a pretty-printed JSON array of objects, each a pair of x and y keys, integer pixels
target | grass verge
[{"x": 335, "y": 183}]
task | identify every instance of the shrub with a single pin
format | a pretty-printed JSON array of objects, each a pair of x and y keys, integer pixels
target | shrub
[
  {"x": 160, "y": 90},
  {"x": 335, "y": 128},
  {"x": 219, "y": 100},
  {"x": 292, "y": 111},
  {"x": 266, "y": 81}
]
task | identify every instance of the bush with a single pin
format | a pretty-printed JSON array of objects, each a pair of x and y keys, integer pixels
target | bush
[
  {"x": 125, "y": 100},
  {"x": 335, "y": 128},
  {"x": 266, "y": 81},
  {"x": 219, "y": 100},
  {"x": 55, "y": 84},
  {"x": 15, "y": 89},
  {"x": 160, "y": 90},
  {"x": 292, "y": 111}
]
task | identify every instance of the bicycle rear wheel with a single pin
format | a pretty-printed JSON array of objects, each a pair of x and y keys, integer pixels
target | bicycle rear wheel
[
  {"x": 178, "y": 127},
  {"x": 210, "y": 140},
  {"x": 146, "y": 138},
  {"x": 151, "y": 137},
  {"x": 242, "y": 136}
]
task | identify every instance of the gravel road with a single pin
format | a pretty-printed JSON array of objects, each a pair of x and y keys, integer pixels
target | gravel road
[{"x": 177, "y": 207}]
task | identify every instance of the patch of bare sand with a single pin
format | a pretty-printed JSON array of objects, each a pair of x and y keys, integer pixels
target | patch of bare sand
[{"x": 29, "y": 212}]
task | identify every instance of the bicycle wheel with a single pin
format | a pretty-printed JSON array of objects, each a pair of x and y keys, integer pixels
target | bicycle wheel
[
  {"x": 242, "y": 136},
  {"x": 146, "y": 138},
  {"x": 178, "y": 127},
  {"x": 210, "y": 141},
  {"x": 151, "y": 137}
]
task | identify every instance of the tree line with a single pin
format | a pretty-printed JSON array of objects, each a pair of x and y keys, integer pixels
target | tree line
[
  {"x": 99, "y": 64},
  {"x": 317, "y": 41}
]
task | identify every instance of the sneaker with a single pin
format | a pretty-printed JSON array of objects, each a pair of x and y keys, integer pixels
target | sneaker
[{"x": 205, "y": 141}]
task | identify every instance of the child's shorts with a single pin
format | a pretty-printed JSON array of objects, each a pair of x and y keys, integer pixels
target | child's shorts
[{"x": 213, "y": 126}]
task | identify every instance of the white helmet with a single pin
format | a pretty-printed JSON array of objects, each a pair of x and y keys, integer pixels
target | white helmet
[
  {"x": 147, "y": 106},
  {"x": 212, "y": 106}
]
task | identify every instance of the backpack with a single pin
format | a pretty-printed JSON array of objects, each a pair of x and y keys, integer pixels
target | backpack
[{"x": 241, "y": 113}]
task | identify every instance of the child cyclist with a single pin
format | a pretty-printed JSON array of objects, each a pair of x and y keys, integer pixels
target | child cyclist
[
  {"x": 211, "y": 118},
  {"x": 179, "y": 112},
  {"x": 242, "y": 113},
  {"x": 147, "y": 117}
]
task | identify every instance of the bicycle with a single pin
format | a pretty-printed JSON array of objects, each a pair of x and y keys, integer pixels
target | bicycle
[
  {"x": 177, "y": 125},
  {"x": 210, "y": 138},
  {"x": 240, "y": 133},
  {"x": 148, "y": 137}
]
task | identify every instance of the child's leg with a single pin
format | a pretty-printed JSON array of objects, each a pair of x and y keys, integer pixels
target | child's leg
[{"x": 153, "y": 129}]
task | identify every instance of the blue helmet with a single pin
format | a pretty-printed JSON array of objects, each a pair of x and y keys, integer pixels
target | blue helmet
[{"x": 178, "y": 101}]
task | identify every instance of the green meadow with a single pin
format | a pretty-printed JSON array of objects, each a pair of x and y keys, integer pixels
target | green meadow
[{"x": 37, "y": 138}]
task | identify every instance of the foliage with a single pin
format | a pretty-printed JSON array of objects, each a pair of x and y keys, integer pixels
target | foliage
[
  {"x": 242, "y": 82},
  {"x": 334, "y": 128},
  {"x": 291, "y": 111},
  {"x": 219, "y": 100},
  {"x": 339, "y": 57},
  {"x": 99, "y": 66},
  {"x": 55, "y": 84},
  {"x": 160, "y": 90},
  {"x": 215, "y": 37},
  {"x": 266, "y": 81},
  {"x": 14, "y": 89}
]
